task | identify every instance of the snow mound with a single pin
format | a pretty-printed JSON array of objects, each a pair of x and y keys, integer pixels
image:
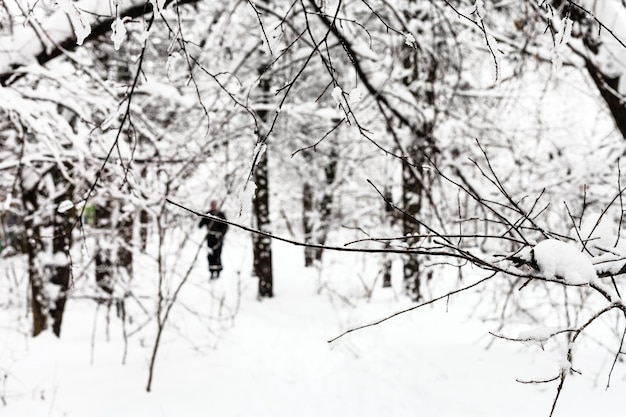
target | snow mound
[{"x": 561, "y": 260}]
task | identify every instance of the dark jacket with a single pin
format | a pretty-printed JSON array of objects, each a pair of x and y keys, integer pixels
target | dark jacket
[{"x": 215, "y": 230}]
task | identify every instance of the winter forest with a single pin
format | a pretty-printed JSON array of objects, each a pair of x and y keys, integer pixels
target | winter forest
[{"x": 423, "y": 199}]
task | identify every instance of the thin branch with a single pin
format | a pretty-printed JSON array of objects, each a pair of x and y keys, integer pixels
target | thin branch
[
  {"x": 617, "y": 355},
  {"x": 318, "y": 246},
  {"x": 434, "y": 300},
  {"x": 602, "y": 25}
]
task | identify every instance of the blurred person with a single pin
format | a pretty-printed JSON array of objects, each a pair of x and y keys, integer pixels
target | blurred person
[{"x": 215, "y": 239}]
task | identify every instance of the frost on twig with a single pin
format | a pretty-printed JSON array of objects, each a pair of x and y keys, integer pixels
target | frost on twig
[{"x": 538, "y": 336}]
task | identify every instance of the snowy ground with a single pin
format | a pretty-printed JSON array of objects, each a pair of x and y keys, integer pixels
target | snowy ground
[{"x": 273, "y": 358}]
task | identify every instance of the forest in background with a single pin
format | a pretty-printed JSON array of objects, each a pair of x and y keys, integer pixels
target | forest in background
[{"x": 435, "y": 135}]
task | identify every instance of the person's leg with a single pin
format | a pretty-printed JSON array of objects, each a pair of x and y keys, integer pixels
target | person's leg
[
  {"x": 215, "y": 274},
  {"x": 213, "y": 262},
  {"x": 217, "y": 261}
]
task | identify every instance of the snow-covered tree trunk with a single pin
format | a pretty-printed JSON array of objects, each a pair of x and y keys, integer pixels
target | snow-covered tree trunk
[
  {"x": 412, "y": 171},
  {"x": 412, "y": 192},
  {"x": 46, "y": 196},
  {"x": 143, "y": 221},
  {"x": 63, "y": 222},
  {"x": 33, "y": 246},
  {"x": 317, "y": 211},
  {"x": 262, "y": 245},
  {"x": 104, "y": 258},
  {"x": 388, "y": 220},
  {"x": 113, "y": 254},
  {"x": 308, "y": 222},
  {"x": 124, "y": 230}
]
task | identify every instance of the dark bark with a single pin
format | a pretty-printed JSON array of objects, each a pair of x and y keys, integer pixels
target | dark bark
[
  {"x": 389, "y": 219},
  {"x": 61, "y": 243},
  {"x": 412, "y": 202},
  {"x": 413, "y": 191},
  {"x": 41, "y": 272},
  {"x": 33, "y": 246},
  {"x": 262, "y": 245},
  {"x": 124, "y": 229},
  {"x": 116, "y": 228},
  {"x": 387, "y": 273},
  {"x": 144, "y": 222},
  {"x": 316, "y": 231},
  {"x": 592, "y": 34},
  {"x": 103, "y": 258},
  {"x": 307, "y": 221},
  {"x": 608, "y": 88}
]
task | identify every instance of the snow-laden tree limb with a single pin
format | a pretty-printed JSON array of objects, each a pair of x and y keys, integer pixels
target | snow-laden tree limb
[{"x": 68, "y": 27}]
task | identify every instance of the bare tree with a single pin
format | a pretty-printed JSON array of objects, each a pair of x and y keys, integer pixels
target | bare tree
[{"x": 409, "y": 61}]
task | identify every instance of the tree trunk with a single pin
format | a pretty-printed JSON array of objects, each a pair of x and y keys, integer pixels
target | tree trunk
[
  {"x": 57, "y": 271},
  {"x": 326, "y": 203},
  {"x": 61, "y": 245},
  {"x": 421, "y": 141},
  {"x": 33, "y": 246},
  {"x": 594, "y": 39},
  {"x": 262, "y": 245},
  {"x": 308, "y": 221},
  {"x": 317, "y": 217},
  {"x": 608, "y": 88},
  {"x": 387, "y": 272},
  {"x": 389, "y": 220},
  {"x": 104, "y": 257},
  {"x": 124, "y": 229},
  {"x": 117, "y": 228},
  {"x": 412, "y": 201}
]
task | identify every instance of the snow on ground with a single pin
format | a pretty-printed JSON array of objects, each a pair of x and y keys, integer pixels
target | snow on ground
[{"x": 274, "y": 359}]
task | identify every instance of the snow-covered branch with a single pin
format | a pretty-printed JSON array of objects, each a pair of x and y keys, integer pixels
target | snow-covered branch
[{"x": 68, "y": 27}]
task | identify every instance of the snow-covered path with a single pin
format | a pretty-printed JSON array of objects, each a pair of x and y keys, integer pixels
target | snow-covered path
[{"x": 275, "y": 361}]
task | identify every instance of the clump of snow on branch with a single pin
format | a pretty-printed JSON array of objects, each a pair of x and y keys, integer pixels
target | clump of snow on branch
[
  {"x": 355, "y": 95},
  {"x": 337, "y": 94},
  {"x": 79, "y": 21},
  {"x": 65, "y": 206},
  {"x": 561, "y": 260},
  {"x": 118, "y": 33},
  {"x": 172, "y": 61},
  {"x": 409, "y": 39}
]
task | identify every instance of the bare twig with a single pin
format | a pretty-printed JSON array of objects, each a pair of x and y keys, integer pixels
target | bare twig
[{"x": 434, "y": 300}]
